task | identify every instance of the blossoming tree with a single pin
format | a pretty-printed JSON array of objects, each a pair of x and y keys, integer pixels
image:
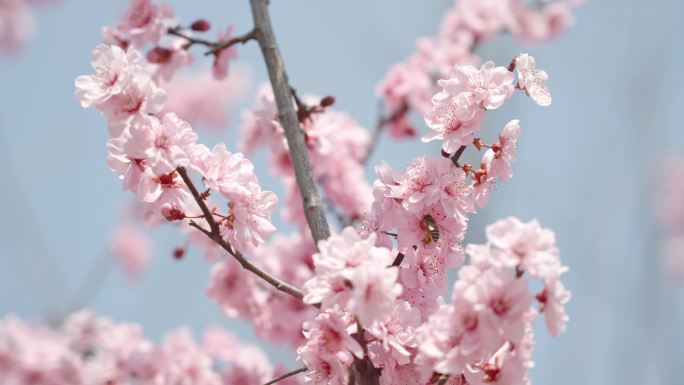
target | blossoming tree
[{"x": 362, "y": 304}]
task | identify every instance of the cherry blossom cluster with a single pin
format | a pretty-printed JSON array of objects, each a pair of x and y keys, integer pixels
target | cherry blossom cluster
[
  {"x": 458, "y": 109},
  {"x": 670, "y": 211},
  {"x": 147, "y": 148},
  {"x": 87, "y": 349},
  {"x": 483, "y": 336},
  {"x": 336, "y": 144},
  {"x": 372, "y": 294},
  {"x": 409, "y": 85},
  {"x": 486, "y": 333},
  {"x": 200, "y": 98}
]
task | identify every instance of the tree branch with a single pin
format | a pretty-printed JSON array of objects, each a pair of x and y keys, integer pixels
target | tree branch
[
  {"x": 286, "y": 375},
  {"x": 457, "y": 156},
  {"x": 313, "y": 205},
  {"x": 215, "y": 235},
  {"x": 214, "y": 47}
]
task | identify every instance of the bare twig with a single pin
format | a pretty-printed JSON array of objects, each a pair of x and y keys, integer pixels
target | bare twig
[
  {"x": 214, "y": 47},
  {"x": 313, "y": 205},
  {"x": 457, "y": 156},
  {"x": 286, "y": 375},
  {"x": 398, "y": 260},
  {"x": 215, "y": 235}
]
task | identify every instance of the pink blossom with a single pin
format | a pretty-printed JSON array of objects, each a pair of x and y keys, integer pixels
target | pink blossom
[
  {"x": 131, "y": 171},
  {"x": 535, "y": 25},
  {"x": 324, "y": 369},
  {"x": 140, "y": 97},
  {"x": 185, "y": 362},
  {"x": 505, "y": 367},
  {"x": 373, "y": 294},
  {"x": 231, "y": 174},
  {"x": 445, "y": 120},
  {"x": 473, "y": 89},
  {"x": 552, "y": 304},
  {"x": 354, "y": 274},
  {"x": 223, "y": 57},
  {"x": 329, "y": 349},
  {"x": 483, "y": 184},
  {"x": 532, "y": 80},
  {"x": 414, "y": 231},
  {"x": 506, "y": 299},
  {"x": 16, "y": 25},
  {"x": 145, "y": 22},
  {"x": 500, "y": 155},
  {"x": 279, "y": 318},
  {"x": 113, "y": 67},
  {"x": 406, "y": 85},
  {"x": 113, "y": 37},
  {"x": 484, "y": 17},
  {"x": 132, "y": 248},
  {"x": 230, "y": 287},
  {"x": 525, "y": 245},
  {"x": 397, "y": 331},
  {"x": 251, "y": 218},
  {"x": 163, "y": 144},
  {"x": 260, "y": 126}
]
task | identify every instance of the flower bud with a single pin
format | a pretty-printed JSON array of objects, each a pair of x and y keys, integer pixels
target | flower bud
[
  {"x": 159, "y": 55},
  {"x": 327, "y": 101},
  {"x": 200, "y": 25},
  {"x": 179, "y": 252}
]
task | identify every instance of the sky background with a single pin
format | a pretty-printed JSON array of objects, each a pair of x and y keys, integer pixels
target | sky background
[{"x": 586, "y": 167}]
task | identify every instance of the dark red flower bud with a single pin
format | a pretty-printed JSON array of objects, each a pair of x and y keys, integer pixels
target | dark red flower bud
[
  {"x": 200, "y": 25},
  {"x": 179, "y": 252},
  {"x": 327, "y": 101},
  {"x": 159, "y": 55}
]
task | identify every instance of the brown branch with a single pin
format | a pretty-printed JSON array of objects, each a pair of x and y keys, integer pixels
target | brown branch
[
  {"x": 215, "y": 232},
  {"x": 286, "y": 375},
  {"x": 457, "y": 156},
  {"x": 214, "y": 46},
  {"x": 313, "y": 205},
  {"x": 215, "y": 235},
  {"x": 398, "y": 260}
]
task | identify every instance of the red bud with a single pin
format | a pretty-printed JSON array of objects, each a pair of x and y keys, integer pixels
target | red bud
[
  {"x": 200, "y": 25},
  {"x": 327, "y": 101},
  {"x": 159, "y": 55},
  {"x": 179, "y": 252}
]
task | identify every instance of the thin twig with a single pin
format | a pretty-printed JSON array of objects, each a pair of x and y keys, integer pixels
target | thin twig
[
  {"x": 215, "y": 235},
  {"x": 457, "y": 156},
  {"x": 398, "y": 260},
  {"x": 299, "y": 155},
  {"x": 286, "y": 375},
  {"x": 214, "y": 46}
]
